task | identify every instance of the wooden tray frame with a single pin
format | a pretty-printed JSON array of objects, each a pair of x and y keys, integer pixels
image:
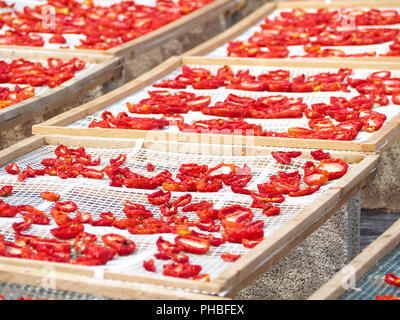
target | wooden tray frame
[
  {"x": 244, "y": 270},
  {"x": 379, "y": 141},
  {"x": 252, "y": 20},
  {"x": 365, "y": 261},
  {"x": 135, "y": 47},
  {"x": 107, "y": 68}
]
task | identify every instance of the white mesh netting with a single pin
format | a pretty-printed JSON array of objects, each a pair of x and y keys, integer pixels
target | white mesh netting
[{"x": 96, "y": 196}]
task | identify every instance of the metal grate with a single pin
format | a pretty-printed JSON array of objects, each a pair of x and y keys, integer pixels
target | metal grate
[
  {"x": 96, "y": 196},
  {"x": 279, "y": 125},
  {"x": 373, "y": 282},
  {"x": 14, "y": 291}
]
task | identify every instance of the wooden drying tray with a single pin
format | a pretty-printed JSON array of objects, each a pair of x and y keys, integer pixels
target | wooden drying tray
[
  {"x": 106, "y": 69},
  {"x": 261, "y": 13},
  {"x": 361, "y": 264},
  {"x": 379, "y": 141},
  {"x": 140, "y": 45},
  {"x": 244, "y": 270}
]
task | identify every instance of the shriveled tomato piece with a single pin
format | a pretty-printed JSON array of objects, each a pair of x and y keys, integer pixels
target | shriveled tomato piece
[
  {"x": 50, "y": 196},
  {"x": 193, "y": 244},
  {"x": 336, "y": 168}
]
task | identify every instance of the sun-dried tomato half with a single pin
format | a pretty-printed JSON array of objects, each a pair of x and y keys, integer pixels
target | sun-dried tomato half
[
  {"x": 92, "y": 173},
  {"x": 159, "y": 197},
  {"x": 38, "y": 217},
  {"x": 320, "y": 154},
  {"x": 271, "y": 211},
  {"x": 82, "y": 240},
  {"x": 193, "y": 244},
  {"x": 202, "y": 277},
  {"x": 67, "y": 206},
  {"x": 306, "y": 191},
  {"x": 235, "y": 214},
  {"x": 230, "y": 257},
  {"x": 316, "y": 178},
  {"x": 68, "y": 231},
  {"x": 12, "y": 168},
  {"x": 392, "y": 279},
  {"x": 386, "y": 297},
  {"x": 181, "y": 270},
  {"x": 122, "y": 245},
  {"x": 396, "y": 98},
  {"x": 182, "y": 201},
  {"x": 193, "y": 207},
  {"x": 106, "y": 219},
  {"x": 150, "y": 167},
  {"x": 167, "y": 247},
  {"x": 6, "y": 191},
  {"x": 281, "y": 157},
  {"x": 22, "y": 226},
  {"x": 236, "y": 235},
  {"x": 251, "y": 243}
]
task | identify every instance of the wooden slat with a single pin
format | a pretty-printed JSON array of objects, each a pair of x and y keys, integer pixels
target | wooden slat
[{"x": 361, "y": 264}]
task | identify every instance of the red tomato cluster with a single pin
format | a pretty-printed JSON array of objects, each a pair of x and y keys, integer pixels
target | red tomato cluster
[
  {"x": 34, "y": 74},
  {"x": 165, "y": 102},
  {"x": 353, "y": 115},
  {"x": 124, "y": 121},
  {"x": 392, "y": 280},
  {"x": 315, "y": 29},
  {"x": 58, "y": 249},
  {"x": 104, "y": 27},
  {"x": 273, "y": 81},
  {"x": 8, "y": 97}
]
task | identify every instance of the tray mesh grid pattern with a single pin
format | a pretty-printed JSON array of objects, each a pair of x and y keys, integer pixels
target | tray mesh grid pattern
[
  {"x": 14, "y": 291},
  {"x": 373, "y": 282},
  {"x": 296, "y": 50},
  {"x": 279, "y": 125},
  {"x": 95, "y": 196}
]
